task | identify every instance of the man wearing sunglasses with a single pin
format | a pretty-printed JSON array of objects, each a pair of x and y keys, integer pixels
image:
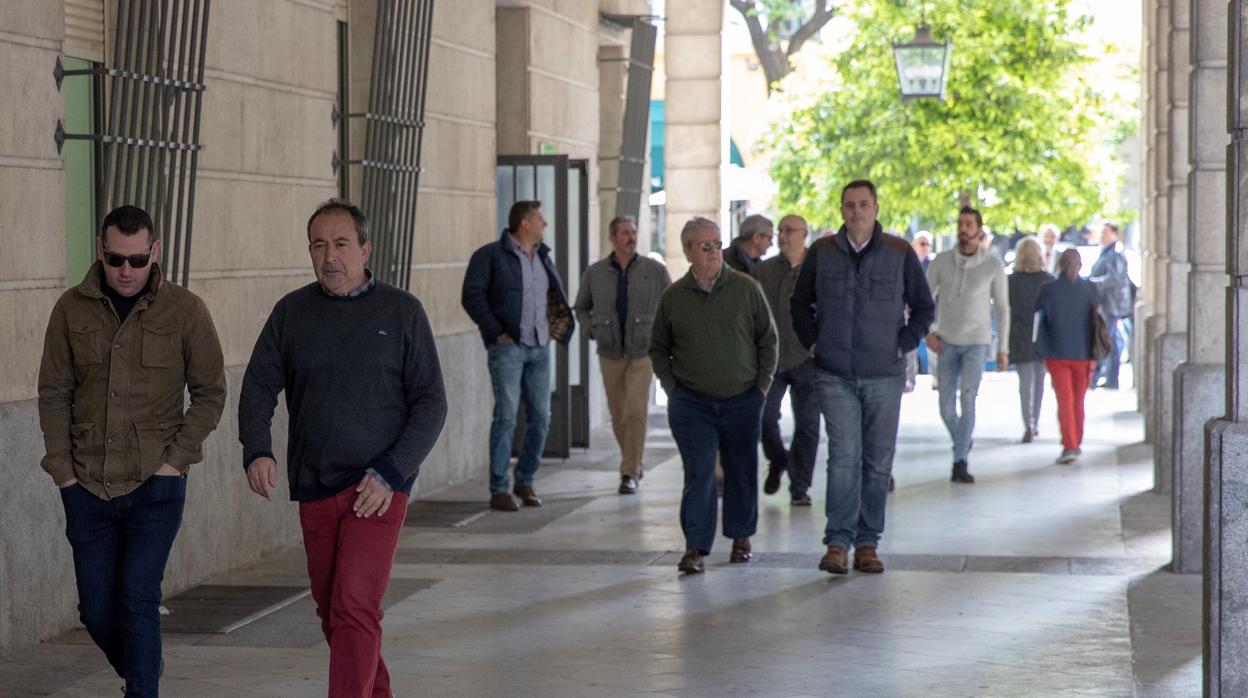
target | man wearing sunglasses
[
  {"x": 121, "y": 349},
  {"x": 713, "y": 346}
]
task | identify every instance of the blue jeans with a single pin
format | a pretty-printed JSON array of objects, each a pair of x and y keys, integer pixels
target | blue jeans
[
  {"x": 799, "y": 458},
  {"x": 1108, "y": 368},
  {"x": 960, "y": 369},
  {"x": 518, "y": 373},
  {"x": 702, "y": 427},
  {"x": 862, "y": 416},
  {"x": 120, "y": 549}
]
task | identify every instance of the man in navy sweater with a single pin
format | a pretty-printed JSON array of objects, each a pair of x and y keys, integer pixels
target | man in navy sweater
[{"x": 364, "y": 390}]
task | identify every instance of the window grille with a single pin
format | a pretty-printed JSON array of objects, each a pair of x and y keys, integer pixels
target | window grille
[
  {"x": 394, "y": 129},
  {"x": 150, "y": 142}
]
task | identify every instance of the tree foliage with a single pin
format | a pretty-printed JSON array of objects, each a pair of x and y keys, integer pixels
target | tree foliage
[
  {"x": 1016, "y": 133},
  {"x": 767, "y": 19}
]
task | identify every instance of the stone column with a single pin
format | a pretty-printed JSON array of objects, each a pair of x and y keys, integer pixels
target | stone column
[
  {"x": 1171, "y": 344},
  {"x": 694, "y": 141},
  {"x": 1226, "y": 493},
  {"x": 1199, "y": 382},
  {"x": 1146, "y": 309}
]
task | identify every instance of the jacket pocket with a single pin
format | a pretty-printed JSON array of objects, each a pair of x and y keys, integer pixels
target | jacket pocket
[
  {"x": 640, "y": 340},
  {"x": 86, "y": 343},
  {"x": 832, "y": 283},
  {"x": 883, "y": 287},
  {"x": 86, "y": 447},
  {"x": 153, "y": 439},
  {"x": 160, "y": 345}
]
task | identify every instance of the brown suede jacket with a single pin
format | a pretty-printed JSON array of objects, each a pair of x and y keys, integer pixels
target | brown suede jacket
[{"x": 111, "y": 403}]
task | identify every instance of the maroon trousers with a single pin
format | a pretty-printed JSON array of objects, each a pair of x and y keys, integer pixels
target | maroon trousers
[
  {"x": 1070, "y": 382},
  {"x": 349, "y": 561}
]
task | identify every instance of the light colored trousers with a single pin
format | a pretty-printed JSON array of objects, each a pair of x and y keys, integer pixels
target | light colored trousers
[
  {"x": 627, "y": 383},
  {"x": 1030, "y": 390}
]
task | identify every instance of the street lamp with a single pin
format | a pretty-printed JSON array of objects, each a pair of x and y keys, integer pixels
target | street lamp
[{"x": 922, "y": 66}]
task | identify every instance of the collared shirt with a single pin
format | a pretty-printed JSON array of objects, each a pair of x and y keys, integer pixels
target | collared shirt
[
  {"x": 709, "y": 286},
  {"x": 534, "y": 327},
  {"x": 367, "y": 286},
  {"x": 621, "y": 291}
]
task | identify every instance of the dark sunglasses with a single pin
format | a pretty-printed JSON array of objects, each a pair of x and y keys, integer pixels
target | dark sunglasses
[
  {"x": 709, "y": 246},
  {"x": 137, "y": 261}
]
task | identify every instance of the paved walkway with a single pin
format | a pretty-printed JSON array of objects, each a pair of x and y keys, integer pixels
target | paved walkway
[{"x": 1039, "y": 580}]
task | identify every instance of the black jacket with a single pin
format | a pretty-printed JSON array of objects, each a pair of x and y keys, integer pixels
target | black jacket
[
  {"x": 852, "y": 307},
  {"x": 492, "y": 288},
  {"x": 1024, "y": 288},
  {"x": 1109, "y": 274}
]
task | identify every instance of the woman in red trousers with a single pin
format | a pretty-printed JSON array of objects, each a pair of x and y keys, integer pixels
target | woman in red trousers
[{"x": 1063, "y": 336}]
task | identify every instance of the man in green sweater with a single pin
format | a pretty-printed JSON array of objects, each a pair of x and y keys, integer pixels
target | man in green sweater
[{"x": 714, "y": 347}]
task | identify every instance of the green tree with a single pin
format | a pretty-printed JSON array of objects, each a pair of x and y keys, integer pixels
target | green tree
[
  {"x": 1015, "y": 136},
  {"x": 792, "y": 21}
]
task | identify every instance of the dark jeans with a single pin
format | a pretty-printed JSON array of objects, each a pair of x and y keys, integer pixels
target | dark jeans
[
  {"x": 862, "y": 416},
  {"x": 120, "y": 549},
  {"x": 703, "y": 427},
  {"x": 799, "y": 459}
]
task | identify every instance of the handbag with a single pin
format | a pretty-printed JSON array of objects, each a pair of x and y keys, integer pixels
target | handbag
[{"x": 1102, "y": 345}]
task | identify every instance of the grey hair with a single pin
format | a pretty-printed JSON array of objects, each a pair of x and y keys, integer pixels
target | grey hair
[
  {"x": 618, "y": 221},
  {"x": 753, "y": 225},
  {"x": 696, "y": 223},
  {"x": 357, "y": 216}
]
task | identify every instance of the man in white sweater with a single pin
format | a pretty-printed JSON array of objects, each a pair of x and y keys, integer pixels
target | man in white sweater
[{"x": 964, "y": 280}]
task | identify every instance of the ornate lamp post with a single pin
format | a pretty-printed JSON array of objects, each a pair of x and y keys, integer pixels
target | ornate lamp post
[{"x": 922, "y": 66}]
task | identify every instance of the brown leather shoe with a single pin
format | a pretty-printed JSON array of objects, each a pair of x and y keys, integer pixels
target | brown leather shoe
[
  {"x": 691, "y": 563},
  {"x": 865, "y": 560},
  {"x": 527, "y": 495},
  {"x": 741, "y": 550},
  {"x": 834, "y": 560},
  {"x": 503, "y": 502}
]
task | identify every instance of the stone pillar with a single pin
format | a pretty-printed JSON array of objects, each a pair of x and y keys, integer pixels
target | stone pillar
[
  {"x": 1145, "y": 312},
  {"x": 1171, "y": 344},
  {"x": 1199, "y": 382},
  {"x": 1226, "y": 494},
  {"x": 695, "y": 142}
]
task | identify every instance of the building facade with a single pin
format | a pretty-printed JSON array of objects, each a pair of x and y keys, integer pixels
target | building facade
[{"x": 286, "y": 83}]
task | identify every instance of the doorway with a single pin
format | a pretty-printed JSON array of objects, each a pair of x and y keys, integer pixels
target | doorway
[{"x": 561, "y": 184}]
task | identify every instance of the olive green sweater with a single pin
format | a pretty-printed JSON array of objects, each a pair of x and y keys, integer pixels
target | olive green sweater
[{"x": 719, "y": 344}]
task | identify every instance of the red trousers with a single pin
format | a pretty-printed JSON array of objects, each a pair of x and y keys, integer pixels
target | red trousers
[
  {"x": 349, "y": 561},
  {"x": 1070, "y": 382}
]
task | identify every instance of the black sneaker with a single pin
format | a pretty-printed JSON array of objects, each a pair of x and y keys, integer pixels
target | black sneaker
[
  {"x": 961, "y": 473},
  {"x": 772, "y": 484},
  {"x": 628, "y": 485},
  {"x": 800, "y": 500}
]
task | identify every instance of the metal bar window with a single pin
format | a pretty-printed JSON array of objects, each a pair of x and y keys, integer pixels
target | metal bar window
[
  {"x": 149, "y": 144},
  {"x": 394, "y": 128},
  {"x": 636, "y": 117}
]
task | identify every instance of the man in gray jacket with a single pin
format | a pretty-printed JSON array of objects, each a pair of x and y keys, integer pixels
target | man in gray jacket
[
  {"x": 616, "y": 304},
  {"x": 796, "y": 369},
  {"x": 964, "y": 280}
]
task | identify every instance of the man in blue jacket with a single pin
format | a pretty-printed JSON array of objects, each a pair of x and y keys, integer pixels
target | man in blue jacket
[
  {"x": 514, "y": 294},
  {"x": 849, "y": 308}
]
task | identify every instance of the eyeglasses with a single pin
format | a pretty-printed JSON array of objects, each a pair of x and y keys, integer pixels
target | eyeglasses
[
  {"x": 709, "y": 246},
  {"x": 137, "y": 261}
]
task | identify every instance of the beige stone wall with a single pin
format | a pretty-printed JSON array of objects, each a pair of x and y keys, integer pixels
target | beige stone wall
[{"x": 272, "y": 82}]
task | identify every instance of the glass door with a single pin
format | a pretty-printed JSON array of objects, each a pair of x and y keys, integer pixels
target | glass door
[{"x": 560, "y": 184}]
